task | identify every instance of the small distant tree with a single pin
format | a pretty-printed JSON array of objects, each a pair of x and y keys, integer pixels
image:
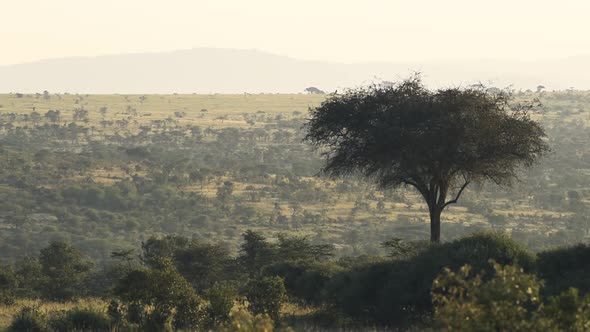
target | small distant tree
[
  {"x": 53, "y": 116},
  {"x": 80, "y": 114},
  {"x": 155, "y": 249},
  {"x": 436, "y": 141},
  {"x": 103, "y": 111},
  {"x": 124, "y": 255},
  {"x": 298, "y": 248},
  {"x": 255, "y": 253},
  {"x": 35, "y": 117},
  {"x": 314, "y": 91},
  {"x": 540, "y": 88},
  {"x": 224, "y": 192},
  {"x": 380, "y": 205},
  {"x": 202, "y": 264}
]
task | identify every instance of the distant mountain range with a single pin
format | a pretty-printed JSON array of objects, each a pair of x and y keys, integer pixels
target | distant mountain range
[{"x": 207, "y": 70}]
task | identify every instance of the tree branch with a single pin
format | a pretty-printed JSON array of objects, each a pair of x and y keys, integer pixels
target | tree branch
[
  {"x": 456, "y": 197},
  {"x": 421, "y": 188},
  {"x": 443, "y": 188}
]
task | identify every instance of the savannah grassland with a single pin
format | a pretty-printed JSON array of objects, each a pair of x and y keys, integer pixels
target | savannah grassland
[
  {"x": 209, "y": 112},
  {"x": 538, "y": 210},
  {"x": 259, "y": 113}
]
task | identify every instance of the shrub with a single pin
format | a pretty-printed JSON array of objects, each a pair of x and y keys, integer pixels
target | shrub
[
  {"x": 8, "y": 284},
  {"x": 508, "y": 301},
  {"x": 398, "y": 291},
  {"x": 266, "y": 295},
  {"x": 136, "y": 313},
  {"x": 565, "y": 267},
  {"x": 80, "y": 320},
  {"x": 64, "y": 269},
  {"x": 309, "y": 286},
  {"x": 115, "y": 311},
  {"x": 29, "y": 319},
  {"x": 568, "y": 311},
  {"x": 305, "y": 280},
  {"x": 243, "y": 321},
  {"x": 190, "y": 312},
  {"x": 468, "y": 303},
  {"x": 163, "y": 290},
  {"x": 222, "y": 297}
]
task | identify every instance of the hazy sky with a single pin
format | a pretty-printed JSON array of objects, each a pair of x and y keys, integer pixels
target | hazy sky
[{"x": 343, "y": 30}]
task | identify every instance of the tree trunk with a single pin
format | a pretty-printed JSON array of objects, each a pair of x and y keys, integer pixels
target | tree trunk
[{"x": 435, "y": 212}]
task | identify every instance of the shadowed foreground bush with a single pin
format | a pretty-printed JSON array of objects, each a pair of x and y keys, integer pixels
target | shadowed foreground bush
[
  {"x": 305, "y": 281},
  {"x": 509, "y": 300},
  {"x": 564, "y": 268},
  {"x": 398, "y": 291},
  {"x": 29, "y": 319},
  {"x": 222, "y": 297},
  {"x": 266, "y": 296},
  {"x": 159, "y": 298},
  {"x": 80, "y": 320}
]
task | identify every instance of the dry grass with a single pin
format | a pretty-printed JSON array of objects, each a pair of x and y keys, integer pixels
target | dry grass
[
  {"x": 8, "y": 312},
  {"x": 221, "y": 110}
]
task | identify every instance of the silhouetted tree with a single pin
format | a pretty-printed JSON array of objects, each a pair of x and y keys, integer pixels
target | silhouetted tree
[
  {"x": 436, "y": 141},
  {"x": 255, "y": 252}
]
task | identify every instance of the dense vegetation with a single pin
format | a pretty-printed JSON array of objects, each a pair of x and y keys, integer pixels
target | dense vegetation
[
  {"x": 179, "y": 283},
  {"x": 175, "y": 209},
  {"x": 107, "y": 172}
]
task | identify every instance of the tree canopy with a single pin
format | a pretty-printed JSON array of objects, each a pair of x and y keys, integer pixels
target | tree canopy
[{"x": 436, "y": 141}]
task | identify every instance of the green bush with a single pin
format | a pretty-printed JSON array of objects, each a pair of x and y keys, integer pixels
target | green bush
[
  {"x": 398, "y": 291},
  {"x": 159, "y": 296},
  {"x": 568, "y": 311},
  {"x": 115, "y": 311},
  {"x": 509, "y": 300},
  {"x": 190, "y": 312},
  {"x": 30, "y": 277},
  {"x": 243, "y": 321},
  {"x": 222, "y": 297},
  {"x": 64, "y": 270},
  {"x": 136, "y": 313},
  {"x": 8, "y": 284},
  {"x": 266, "y": 296},
  {"x": 80, "y": 320},
  {"x": 565, "y": 267},
  {"x": 29, "y": 319},
  {"x": 305, "y": 280}
]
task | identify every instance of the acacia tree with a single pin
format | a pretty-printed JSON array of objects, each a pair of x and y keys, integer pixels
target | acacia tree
[{"x": 436, "y": 141}]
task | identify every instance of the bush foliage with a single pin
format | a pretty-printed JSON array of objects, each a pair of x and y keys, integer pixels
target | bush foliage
[{"x": 509, "y": 300}]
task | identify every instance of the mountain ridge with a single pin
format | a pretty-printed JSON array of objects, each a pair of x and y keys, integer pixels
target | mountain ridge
[{"x": 219, "y": 70}]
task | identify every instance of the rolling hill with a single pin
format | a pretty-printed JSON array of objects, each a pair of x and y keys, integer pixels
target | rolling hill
[{"x": 207, "y": 70}]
